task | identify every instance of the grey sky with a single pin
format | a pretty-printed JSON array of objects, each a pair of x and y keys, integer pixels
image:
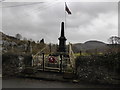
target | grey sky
[{"x": 89, "y": 20}]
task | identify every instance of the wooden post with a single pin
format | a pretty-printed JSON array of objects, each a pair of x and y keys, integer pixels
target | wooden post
[
  {"x": 43, "y": 62},
  {"x": 50, "y": 50},
  {"x": 80, "y": 52},
  {"x": 60, "y": 62}
]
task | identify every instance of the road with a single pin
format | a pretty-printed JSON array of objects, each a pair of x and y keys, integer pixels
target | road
[{"x": 32, "y": 83}]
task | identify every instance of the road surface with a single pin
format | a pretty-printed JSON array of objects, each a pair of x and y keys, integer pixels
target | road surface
[{"x": 32, "y": 83}]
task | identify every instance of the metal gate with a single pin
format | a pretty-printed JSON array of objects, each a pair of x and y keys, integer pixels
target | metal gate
[{"x": 56, "y": 63}]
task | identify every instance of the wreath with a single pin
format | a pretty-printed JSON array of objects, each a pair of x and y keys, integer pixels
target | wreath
[{"x": 52, "y": 59}]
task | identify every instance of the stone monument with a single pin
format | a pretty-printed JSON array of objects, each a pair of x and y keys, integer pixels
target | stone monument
[{"x": 62, "y": 40}]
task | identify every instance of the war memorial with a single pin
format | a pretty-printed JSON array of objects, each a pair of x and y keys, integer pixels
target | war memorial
[
  {"x": 27, "y": 63},
  {"x": 56, "y": 66}
]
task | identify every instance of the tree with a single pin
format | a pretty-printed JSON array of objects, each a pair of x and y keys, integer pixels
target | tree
[
  {"x": 18, "y": 36},
  {"x": 114, "y": 40},
  {"x": 31, "y": 40},
  {"x": 42, "y": 41},
  {"x": 38, "y": 41},
  {"x": 25, "y": 39}
]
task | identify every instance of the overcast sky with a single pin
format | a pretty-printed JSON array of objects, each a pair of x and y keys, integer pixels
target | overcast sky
[{"x": 37, "y": 20}]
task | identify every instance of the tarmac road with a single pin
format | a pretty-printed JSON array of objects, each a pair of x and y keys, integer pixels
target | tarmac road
[{"x": 32, "y": 83}]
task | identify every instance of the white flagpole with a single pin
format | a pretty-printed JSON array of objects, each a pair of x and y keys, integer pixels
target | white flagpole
[{"x": 65, "y": 14}]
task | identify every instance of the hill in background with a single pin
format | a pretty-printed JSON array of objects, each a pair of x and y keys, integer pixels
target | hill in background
[
  {"x": 89, "y": 45},
  {"x": 12, "y": 44}
]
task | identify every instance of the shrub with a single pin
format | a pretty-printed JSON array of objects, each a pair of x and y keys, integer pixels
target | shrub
[{"x": 98, "y": 68}]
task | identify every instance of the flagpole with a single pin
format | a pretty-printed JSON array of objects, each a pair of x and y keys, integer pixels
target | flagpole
[{"x": 65, "y": 14}]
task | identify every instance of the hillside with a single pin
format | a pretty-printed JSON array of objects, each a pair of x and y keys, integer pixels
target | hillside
[
  {"x": 11, "y": 44},
  {"x": 90, "y": 46}
]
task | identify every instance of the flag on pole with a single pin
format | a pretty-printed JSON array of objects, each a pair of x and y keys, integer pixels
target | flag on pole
[{"x": 67, "y": 9}]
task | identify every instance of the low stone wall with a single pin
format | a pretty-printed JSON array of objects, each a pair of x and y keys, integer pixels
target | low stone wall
[{"x": 11, "y": 63}]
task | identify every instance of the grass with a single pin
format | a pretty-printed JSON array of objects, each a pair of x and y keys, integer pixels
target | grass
[{"x": 87, "y": 54}]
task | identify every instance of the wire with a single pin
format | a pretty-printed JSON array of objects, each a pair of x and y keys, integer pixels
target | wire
[
  {"x": 2, "y": 0},
  {"x": 35, "y": 10},
  {"x": 40, "y": 9},
  {"x": 47, "y": 6},
  {"x": 21, "y": 5},
  {"x": 43, "y": 7}
]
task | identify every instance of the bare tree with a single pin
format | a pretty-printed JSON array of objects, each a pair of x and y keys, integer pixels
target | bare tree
[
  {"x": 18, "y": 36},
  {"x": 31, "y": 40},
  {"x": 25, "y": 39},
  {"x": 114, "y": 40}
]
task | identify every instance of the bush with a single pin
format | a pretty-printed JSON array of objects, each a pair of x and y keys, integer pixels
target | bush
[{"x": 98, "y": 68}]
